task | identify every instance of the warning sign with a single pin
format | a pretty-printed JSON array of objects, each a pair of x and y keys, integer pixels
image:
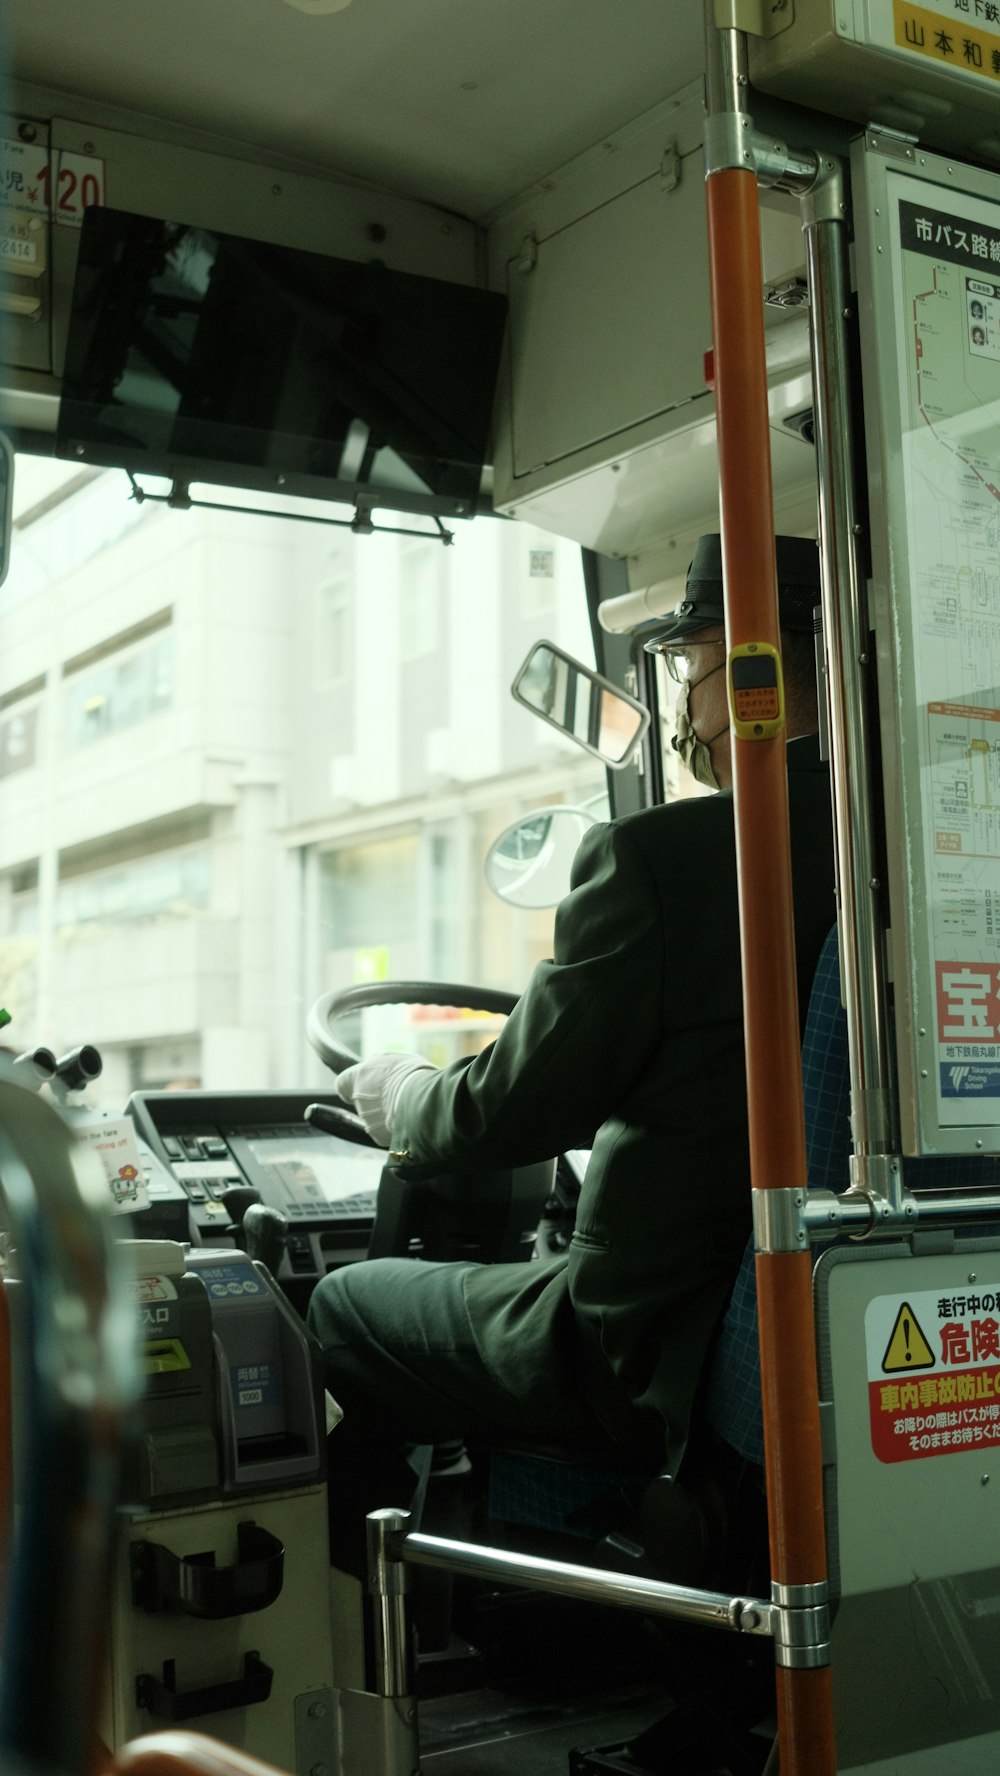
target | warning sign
[
  {"x": 907, "y": 1347},
  {"x": 950, "y": 1345}
]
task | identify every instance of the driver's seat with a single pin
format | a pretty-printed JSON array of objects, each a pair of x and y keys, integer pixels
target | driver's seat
[{"x": 721, "y": 1494}]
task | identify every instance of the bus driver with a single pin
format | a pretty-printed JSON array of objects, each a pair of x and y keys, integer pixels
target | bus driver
[{"x": 629, "y": 1040}]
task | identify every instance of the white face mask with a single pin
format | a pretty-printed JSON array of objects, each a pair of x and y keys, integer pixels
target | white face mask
[{"x": 694, "y": 753}]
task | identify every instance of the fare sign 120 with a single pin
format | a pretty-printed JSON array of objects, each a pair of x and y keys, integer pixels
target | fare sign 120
[{"x": 59, "y": 184}]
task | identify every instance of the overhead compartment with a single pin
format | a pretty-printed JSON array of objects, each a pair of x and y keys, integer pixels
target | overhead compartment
[{"x": 605, "y": 421}]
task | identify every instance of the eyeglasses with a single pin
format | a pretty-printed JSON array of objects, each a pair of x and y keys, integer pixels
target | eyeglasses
[{"x": 678, "y": 657}]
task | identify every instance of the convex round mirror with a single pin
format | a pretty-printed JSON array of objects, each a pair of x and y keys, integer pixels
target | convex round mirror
[
  {"x": 587, "y": 708},
  {"x": 529, "y": 864}
]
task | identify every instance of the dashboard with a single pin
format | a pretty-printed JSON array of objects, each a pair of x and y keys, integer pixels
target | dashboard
[
  {"x": 199, "y": 1146},
  {"x": 207, "y": 1155}
]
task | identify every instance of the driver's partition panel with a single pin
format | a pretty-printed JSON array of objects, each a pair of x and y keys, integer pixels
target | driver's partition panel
[{"x": 908, "y": 1370}]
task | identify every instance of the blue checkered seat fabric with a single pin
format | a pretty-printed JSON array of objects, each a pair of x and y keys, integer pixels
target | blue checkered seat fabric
[
  {"x": 733, "y": 1402},
  {"x": 555, "y": 1493}
]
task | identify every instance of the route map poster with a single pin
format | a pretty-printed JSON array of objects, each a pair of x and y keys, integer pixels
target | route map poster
[{"x": 945, "y": 247}]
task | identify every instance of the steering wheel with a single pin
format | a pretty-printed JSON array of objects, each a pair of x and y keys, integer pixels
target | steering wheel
[
  {"x": 558, "y": 1215},
  {"x": 331, "y": 1006}
]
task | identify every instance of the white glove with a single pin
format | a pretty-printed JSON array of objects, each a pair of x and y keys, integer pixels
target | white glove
[{"x": 373, "y": 1087}]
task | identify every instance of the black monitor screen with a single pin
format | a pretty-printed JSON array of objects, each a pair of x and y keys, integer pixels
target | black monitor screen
[{"x": 205, "y": 357}]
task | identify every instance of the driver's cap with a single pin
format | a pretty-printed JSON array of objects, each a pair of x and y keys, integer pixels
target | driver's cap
[{"x": 702, "y": 605}]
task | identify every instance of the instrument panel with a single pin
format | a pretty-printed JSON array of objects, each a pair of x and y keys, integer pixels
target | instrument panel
[{"x": 202, "y": 1145}]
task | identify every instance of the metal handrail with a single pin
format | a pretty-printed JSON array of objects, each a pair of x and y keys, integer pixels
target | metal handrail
[
  {"x": 563, "y": 1578},
  {"x": 796, "y": 1619}
]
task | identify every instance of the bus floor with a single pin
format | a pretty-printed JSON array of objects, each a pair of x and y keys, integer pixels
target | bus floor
[
  {"x": 559, "y": 1688},
  {"x": 488, "y": 1733}
]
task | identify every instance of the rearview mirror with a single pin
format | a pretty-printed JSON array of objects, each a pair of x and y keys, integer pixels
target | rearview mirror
[
  {"x": 529, "y": 864},
  {"x": 6, "y": 502},
  {"x": 587, "y": 708}
]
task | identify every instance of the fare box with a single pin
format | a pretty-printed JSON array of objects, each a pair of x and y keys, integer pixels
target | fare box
[{"x": 113, "y": 1141}]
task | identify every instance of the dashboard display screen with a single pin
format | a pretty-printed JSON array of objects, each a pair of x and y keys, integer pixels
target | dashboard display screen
[{"x": 316, "y": 1172}]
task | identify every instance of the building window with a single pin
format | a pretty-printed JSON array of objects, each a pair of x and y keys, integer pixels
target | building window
[
  {"x": 67, "y": 525},
  {"x": 120, "y": 692},
  {"x": 19, "y": 955},
  {"x": 420, "y": 601},
  {"x": 24, "y": 914},
  {"x": 369, "y": 895},
  {"x": 333, "y": 651},
  {"x": 17, "y": 741},
  {"x": 168, "y": 885},
  {"x": 538, "y": 585}
]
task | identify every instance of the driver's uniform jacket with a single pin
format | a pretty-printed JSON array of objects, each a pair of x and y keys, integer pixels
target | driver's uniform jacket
[{"x": 630, "y": 1040}]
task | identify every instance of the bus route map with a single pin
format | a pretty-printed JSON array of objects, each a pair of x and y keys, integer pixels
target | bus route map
[{"x": 947, "y": 253}]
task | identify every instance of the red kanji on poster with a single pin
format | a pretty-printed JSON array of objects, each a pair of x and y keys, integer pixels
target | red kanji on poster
[{"x": 968, "y": 999}]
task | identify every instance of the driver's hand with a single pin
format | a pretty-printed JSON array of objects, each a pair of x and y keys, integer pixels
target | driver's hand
[{"x": 373, "y": 1088}]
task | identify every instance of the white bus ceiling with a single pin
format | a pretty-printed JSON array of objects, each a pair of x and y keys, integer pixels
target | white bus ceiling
[
  {"x": 460, "y": 142},
  {"x": 461, "y": 104}
]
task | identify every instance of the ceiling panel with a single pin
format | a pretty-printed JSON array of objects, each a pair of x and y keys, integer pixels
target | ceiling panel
[{"x": 461, "y": 102}]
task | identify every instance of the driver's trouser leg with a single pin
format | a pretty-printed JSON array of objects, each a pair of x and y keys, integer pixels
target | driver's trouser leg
[
  {"x": 401, "y": 1358},
  {"x": 402, "y": 1361}
]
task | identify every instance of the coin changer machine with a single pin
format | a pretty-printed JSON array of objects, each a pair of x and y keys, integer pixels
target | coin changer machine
[{"x": 221, "y": 1612}]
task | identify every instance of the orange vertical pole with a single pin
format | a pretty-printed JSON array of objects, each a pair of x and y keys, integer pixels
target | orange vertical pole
[{"x": 771, "y": 1019}]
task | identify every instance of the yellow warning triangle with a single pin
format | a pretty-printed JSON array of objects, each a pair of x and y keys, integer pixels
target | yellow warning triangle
[{"x": 907, "y": 1347}]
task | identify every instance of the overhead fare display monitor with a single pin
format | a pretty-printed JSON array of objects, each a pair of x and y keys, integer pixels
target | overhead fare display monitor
[
  {"x": 929, "y": 288},
  {"x": 203, "y": 356}
]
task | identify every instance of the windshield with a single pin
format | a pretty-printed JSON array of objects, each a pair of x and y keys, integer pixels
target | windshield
[{"x": 245, "y": 760}]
